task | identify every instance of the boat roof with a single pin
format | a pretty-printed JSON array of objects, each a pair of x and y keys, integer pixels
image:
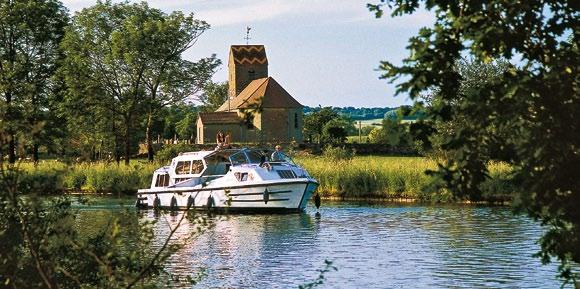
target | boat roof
[
  {"x": 199, "y": 155},
  {"x": 193, "y": 155}
]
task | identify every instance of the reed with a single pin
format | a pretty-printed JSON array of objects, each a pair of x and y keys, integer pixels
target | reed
[
  {"x": 385, "y": 177},
  {"x": 49, "y": 177},
  {"x": 376, "y": 177}
]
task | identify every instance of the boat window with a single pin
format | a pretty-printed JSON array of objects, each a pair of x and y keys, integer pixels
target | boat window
[
  {"x": 238, "y": 158},
  {"x": 254, "y": 157},
  {"x": 183, "y": 167},
  {"x": 197, "y": 167},
  {"x": 162, "y": 180},
  {"x": 242, "y": 177}
]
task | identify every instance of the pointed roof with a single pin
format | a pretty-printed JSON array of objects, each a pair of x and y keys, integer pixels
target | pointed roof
[
  {"x": 249, "y": 54},
  {"x": 219, "y": 117},
  {"x": 266, "y": 93}
]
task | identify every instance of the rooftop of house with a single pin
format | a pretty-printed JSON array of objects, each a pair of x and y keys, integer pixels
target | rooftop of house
[
  {"x": 262, "y": 93},
  {"x": 222, "y": 117}
]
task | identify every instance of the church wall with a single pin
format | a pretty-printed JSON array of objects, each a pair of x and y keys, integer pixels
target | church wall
[{"x": 209, "y": 132}]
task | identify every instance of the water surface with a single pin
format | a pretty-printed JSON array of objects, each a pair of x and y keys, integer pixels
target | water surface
[{"x": 373, "y": 246}]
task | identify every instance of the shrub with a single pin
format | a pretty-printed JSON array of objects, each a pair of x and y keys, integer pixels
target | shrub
[
  {"x": 337, "y": 153},
  {"x": 170, "y": 151}
]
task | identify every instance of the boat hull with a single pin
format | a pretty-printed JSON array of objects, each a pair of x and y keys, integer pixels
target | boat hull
[{"x": 268, "y": 196}]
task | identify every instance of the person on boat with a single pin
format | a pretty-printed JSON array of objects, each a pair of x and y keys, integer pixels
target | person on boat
[
  {"x": 220, "y": 139},
  {"x": 277, "y": 155},
  {"x": 228, "y": 140}
]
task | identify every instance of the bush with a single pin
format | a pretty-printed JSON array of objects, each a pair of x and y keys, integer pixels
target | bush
[
  {"x": 170, "y": 151},
  {"x": 337, "y": 153},
  {"x": 42, "y": 182}
]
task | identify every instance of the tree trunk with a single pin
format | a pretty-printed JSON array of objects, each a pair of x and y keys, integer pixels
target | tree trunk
[
  {"x": 150, "y": 152},
  {"x": 127, "y": 140},
  {"x": 8, "y": 119},
  {"x": 116, "y": 145},
  {"x": 35, "y": 147},
  {"x": 11, "y": 149}
]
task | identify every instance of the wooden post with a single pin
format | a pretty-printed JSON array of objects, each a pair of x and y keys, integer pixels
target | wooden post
[{"x": 360, "y": 131}]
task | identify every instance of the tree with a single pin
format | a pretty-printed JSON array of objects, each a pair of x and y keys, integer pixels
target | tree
[
  {"x": 335, "y": 130},
  {"x": 315, "y": 121},
  {"x": 126, "y": 59},
  {"x": 213, "y": 96},
  {"x": 537, "y": 101},
  {"x": 30, "y": 33}
]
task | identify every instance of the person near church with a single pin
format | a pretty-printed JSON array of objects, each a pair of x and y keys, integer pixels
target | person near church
[{"x": 220, "y": 139}]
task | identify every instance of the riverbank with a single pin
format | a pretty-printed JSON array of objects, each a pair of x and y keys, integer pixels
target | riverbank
[
  {"x": 394, "y": 178},
  {"x": 380, "y": 178}
]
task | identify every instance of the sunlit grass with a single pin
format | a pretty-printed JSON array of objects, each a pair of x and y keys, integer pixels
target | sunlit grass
[
  {"x": 376, "y": 177},
  {"x": 388, "y": 177},
  {"x": 98, "y": 177}
]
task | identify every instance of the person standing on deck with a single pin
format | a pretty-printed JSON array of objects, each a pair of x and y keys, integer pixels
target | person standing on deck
[{"x": 277, "y": 155}]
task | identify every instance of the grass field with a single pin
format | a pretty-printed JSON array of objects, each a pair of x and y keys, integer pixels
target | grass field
[
  {"x": 370, "y": 122},
  {"x": 391, "y": 177},
  {"x": 377, "y": 177}
]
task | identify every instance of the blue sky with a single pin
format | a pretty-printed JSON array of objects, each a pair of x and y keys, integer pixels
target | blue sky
[{"x": 323, "y": 52}]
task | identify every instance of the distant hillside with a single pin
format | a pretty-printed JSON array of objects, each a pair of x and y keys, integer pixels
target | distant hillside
[{"x": 354, "y": 113}]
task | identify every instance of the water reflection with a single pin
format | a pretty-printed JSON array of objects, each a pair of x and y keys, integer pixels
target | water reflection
[{"x": 374, "y": 246}]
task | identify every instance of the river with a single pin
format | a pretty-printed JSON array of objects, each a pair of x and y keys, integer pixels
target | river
[{"x": 371, "y": 245}]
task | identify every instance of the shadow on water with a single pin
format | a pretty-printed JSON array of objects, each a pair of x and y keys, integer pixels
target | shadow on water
[{"x": 373, "y": 246}]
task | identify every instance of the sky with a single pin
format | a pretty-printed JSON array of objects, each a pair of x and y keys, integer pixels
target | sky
[{"x": 323, "y": 52}]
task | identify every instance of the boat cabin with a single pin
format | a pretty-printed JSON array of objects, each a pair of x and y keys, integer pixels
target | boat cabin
[{"x": 193, "y": 168}]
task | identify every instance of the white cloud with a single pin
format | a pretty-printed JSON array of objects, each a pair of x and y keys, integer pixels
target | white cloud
[{"x": 221, "y": 13}]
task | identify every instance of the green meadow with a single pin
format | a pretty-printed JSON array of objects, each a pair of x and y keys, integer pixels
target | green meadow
[
  {"x": 362, "y": 177},
  {"x": 388, "y": 177}
]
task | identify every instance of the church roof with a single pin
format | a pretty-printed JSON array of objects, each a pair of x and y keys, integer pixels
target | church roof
[
  {"x": 249, "y": 54},
  {"x": 221, "y": 117},
  {"x": 263, "y": 92}
]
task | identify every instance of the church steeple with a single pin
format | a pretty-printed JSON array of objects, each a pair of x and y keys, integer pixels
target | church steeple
[{"x": 246, "y": 63}]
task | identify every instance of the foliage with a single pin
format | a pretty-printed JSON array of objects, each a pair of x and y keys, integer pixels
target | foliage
[
  {"x": 125, "y": 59},
  {"x": 328, "y": 267},
  {"x": 213, "y": 96},
  {"x": 29, "y": 55},
  {"x": 537, "y": 102},
  {"x": 362, "y": 113},
  {"x": 314, "y": 122},
  {"x": 337, "y": 153},
  {"x": 54, "y": 177},
  {"x": 394, "y": 177},
  {"x": 336, "y": 130},
  {"x": 170, "y": 151},
  {"x": 42, "y": 247}
]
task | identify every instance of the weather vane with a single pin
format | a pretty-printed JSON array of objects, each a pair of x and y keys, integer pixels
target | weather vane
[{"x": 248, "y": 28}]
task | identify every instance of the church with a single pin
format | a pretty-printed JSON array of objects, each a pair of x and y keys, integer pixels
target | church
[{"x": 258, "y": 109}]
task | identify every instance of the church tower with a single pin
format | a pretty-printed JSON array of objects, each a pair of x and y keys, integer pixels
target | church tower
[{"x": 246, "y": 63}]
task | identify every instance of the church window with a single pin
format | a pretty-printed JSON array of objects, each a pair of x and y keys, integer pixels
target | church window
[
  {"x": 251, "y": 75},
  {"x": 295, "y": 120}
]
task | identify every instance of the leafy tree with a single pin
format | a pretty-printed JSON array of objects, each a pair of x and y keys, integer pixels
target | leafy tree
[
  {"x": 335, "y": 130},
  {"x": 213, "y": 96},
  {"x": 126, "y": 59},
  {"x": 30, "y": 33},
  {"x": 537, "y": 102},
  {"x": 186, "y": 128},
  {"x": 315, "y": 121}
]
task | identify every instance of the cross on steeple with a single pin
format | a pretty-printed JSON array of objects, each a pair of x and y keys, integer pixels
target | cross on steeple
[{"x": 248, "y": 28}]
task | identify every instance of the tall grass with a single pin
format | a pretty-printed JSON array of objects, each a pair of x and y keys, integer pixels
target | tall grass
[
  {"x": 360, "y": 177},
  {"x": 392, "y": 178},
  {"x": 50, "y": 177}
]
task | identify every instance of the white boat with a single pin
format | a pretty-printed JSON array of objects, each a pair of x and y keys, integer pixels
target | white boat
[{"x": 229, "y": 179}]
